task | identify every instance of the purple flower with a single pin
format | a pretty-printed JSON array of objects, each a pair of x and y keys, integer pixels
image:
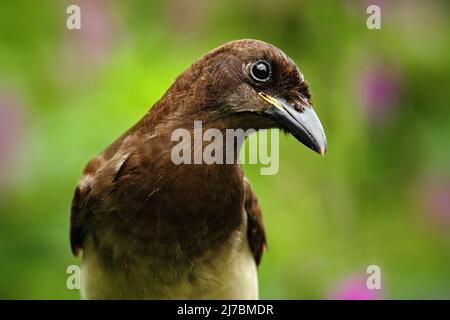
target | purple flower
[
  {"x": 11, "y": 127},
  {"x": 96, "y": 28},
  {"x": 354, "y": 288},
  {"x": 436, "y": 201},
  {"x": 379, "y": 91},
  {"x": 91, "y": 44}
]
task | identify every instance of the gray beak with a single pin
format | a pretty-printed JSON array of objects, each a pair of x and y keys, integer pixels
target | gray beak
[{"x": 303, "y": 123}]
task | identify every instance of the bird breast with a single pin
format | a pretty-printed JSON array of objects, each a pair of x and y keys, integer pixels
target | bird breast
[{"x": 227, "y": 273}]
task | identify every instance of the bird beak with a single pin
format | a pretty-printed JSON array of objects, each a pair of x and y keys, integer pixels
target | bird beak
[{"x": 304, "y": 125}]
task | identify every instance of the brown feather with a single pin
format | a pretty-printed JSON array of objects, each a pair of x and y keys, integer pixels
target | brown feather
[{"x": 255, "y": 229}]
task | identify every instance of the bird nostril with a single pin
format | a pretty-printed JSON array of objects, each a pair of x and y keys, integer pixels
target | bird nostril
[{"x": 298, "y": 108}]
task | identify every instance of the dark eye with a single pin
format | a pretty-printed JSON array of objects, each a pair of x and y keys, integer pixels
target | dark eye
[{"x": 261, "y": 71}]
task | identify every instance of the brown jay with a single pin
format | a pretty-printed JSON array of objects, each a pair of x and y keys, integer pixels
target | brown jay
[{"x": 152, "y": 229}]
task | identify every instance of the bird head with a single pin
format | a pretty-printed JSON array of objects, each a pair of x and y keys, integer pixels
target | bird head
[{"x": 251, "y": 84}]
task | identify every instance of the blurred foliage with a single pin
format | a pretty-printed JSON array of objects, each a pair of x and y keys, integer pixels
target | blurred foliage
[{"x": 380, "y": 196}]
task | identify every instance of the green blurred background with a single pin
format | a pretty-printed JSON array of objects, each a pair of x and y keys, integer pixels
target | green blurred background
[{"x": 380, "y": 196}]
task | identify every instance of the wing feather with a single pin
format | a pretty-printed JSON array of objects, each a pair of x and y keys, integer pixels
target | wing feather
[{"x": 255, "y": 229}]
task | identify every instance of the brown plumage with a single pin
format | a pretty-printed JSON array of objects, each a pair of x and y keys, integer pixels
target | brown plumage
[{"x": 150, "y": 228}]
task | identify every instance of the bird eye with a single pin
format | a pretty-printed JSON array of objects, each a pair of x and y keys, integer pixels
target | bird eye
[{"x": 260, "y": 71}]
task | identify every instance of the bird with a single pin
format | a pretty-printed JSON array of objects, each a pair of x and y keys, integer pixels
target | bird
[{"x": 148, "y": 228}]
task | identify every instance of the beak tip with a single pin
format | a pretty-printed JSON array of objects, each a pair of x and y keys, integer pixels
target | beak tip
[
  {"x": 320, "y": 145},
  {"x": 321, "y": 150}
]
